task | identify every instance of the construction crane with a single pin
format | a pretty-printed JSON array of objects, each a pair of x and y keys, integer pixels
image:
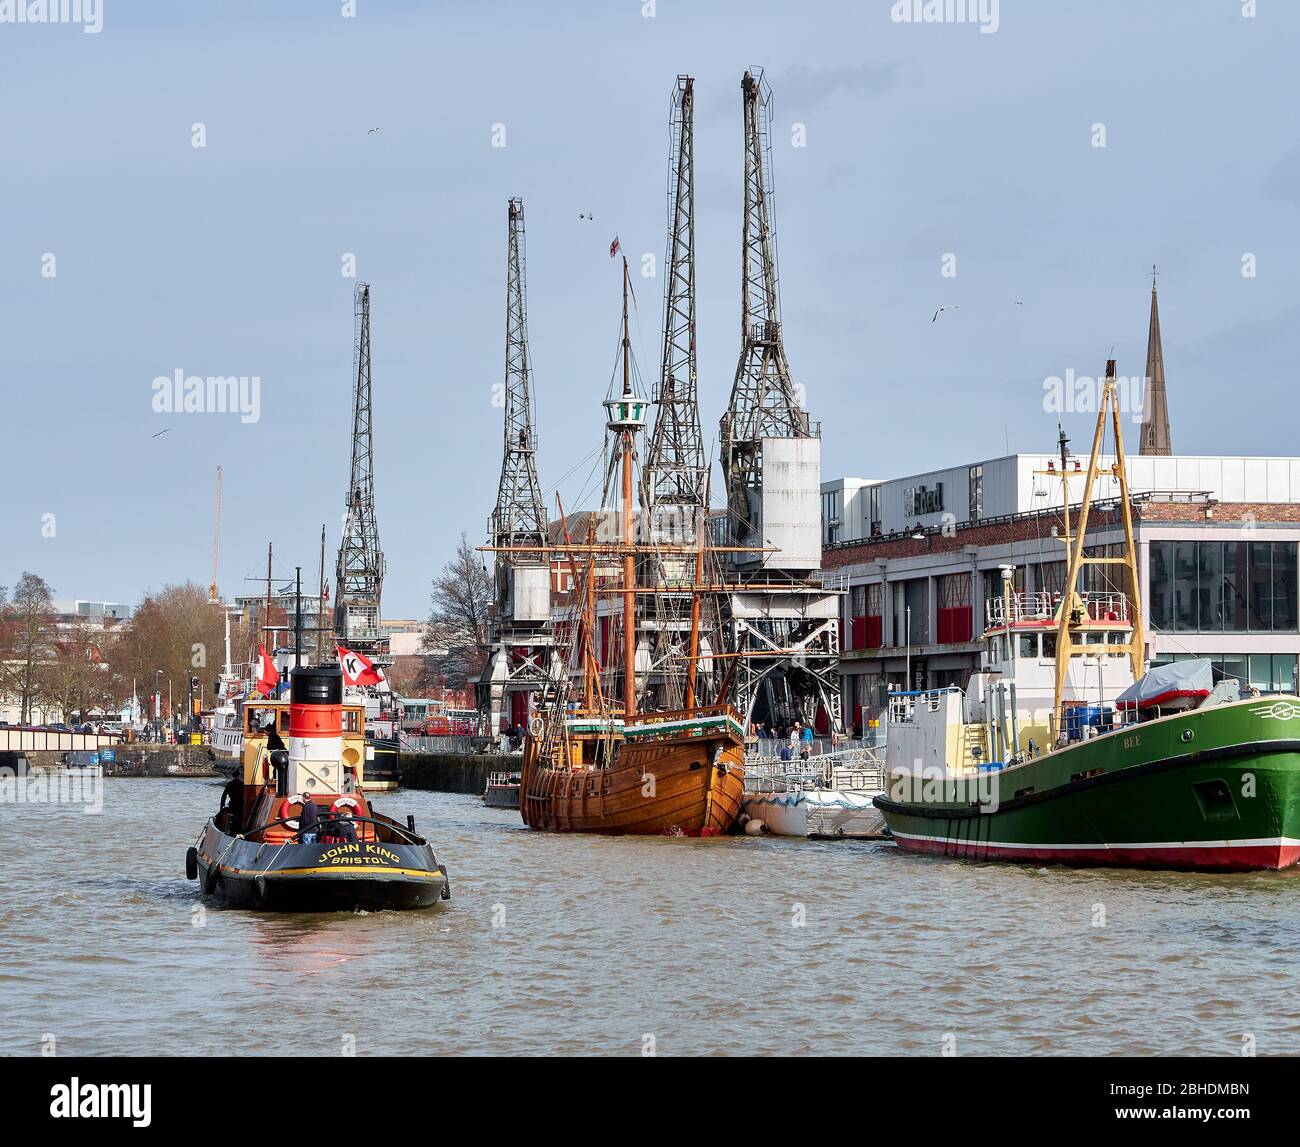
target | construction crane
[
  {"x": 214, "y": 598},
  {"x": 764, "y": 402},
  {"x": 359, "y": 572},
  {"x": 522, "y": 658},
  {"x": 783, "y": 627}
]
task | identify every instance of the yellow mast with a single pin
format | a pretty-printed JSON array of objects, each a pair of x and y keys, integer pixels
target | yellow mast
[{"x": 1073, "y": 610}]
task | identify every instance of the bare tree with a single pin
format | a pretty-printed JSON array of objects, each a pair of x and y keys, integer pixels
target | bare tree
[
  {"x": 456, "y": 639},
  {"x": 173, "y": 634},
  {"x": 28, "y": 624},
  {"x": 75, "y": 677}
]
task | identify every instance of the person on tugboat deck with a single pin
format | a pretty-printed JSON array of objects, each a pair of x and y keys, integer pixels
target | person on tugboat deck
[
  {"x": 273, "y": 739},
  {"x": 308, "y": 820},
  {"x": 344, "y": 827},
  {"x": 338, "y": 828}
]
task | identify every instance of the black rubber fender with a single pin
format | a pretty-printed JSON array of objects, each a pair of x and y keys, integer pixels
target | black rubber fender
[
  {"x": 210, "y": 883},
  {"x": 191, "y": 863}
]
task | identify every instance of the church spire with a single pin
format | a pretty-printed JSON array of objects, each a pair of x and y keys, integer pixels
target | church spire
[{"x": 1155, "y": 419}]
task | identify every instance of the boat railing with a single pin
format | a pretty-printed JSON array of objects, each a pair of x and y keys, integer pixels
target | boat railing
[
  {"x": 413, "y": 744},
  {"x": 1042, "y": 605},
  {"x": 391, "y": 826},
  {"x": 769, "y": 748},
  {"x": 681, "y": 715},
  {"x": 853, "y": 769},
  {"x": 503, "y": 779},
  {"x": 905, "y": 704}
]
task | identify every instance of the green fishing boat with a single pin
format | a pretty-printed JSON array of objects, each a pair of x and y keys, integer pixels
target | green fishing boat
[{"x": 1062, "y": 748}]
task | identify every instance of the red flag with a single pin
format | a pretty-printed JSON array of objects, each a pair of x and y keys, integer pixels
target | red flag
[
  {"x": 358, "y": 669},
  {"x": 613, "y": 247},
  {"x": 268, "y": 676}
]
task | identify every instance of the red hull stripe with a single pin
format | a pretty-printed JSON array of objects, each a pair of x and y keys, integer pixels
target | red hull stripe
[{"x": 1270, "y": 852}]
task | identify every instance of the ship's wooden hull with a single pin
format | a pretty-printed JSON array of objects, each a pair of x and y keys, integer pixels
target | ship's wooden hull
[{"x": 675, "y": 786}]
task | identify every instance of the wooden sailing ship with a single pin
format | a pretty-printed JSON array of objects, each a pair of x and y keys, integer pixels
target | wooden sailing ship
[{"x": 594, "y": 760}]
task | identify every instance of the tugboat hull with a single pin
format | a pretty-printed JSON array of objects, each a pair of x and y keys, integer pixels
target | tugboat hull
[
  {"x": 1215, "y": 789},
  {"x": 365, "y": 876}
]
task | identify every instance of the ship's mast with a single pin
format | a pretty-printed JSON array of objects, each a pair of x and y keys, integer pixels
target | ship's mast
[
  {"x": 629, "y": 536},
  {"x": 359, "y": 573},
  {"x": 1074, "y": 610},
  {"x": 625, "y": 416}
]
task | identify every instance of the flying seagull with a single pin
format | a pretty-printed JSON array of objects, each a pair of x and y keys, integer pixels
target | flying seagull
[
  {"x": 590, "y": 216},
  {"x": 161, "y": 432},
  {"x": 373, "y": 130},
  {"x": 940, "y": 311}
]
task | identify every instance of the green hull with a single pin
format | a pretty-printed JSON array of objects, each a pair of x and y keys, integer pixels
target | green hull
[{"x": 1216, "y": 788}]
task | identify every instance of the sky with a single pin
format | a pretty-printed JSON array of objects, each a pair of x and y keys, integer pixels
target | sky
[{"x": 901, "y": 151}]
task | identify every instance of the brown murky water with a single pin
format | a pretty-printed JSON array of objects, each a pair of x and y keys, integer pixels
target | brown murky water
[{"x": 561, "y": 944}]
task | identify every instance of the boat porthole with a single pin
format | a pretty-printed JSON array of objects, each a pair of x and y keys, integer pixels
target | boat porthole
[{"x": 1188, "y": 734}]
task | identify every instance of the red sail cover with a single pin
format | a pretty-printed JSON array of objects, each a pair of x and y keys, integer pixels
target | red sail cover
[{"x": 1167, "y": 683}]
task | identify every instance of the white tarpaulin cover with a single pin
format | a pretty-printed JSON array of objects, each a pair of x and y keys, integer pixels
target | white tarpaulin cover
[{"x": 1168, "y": 682}]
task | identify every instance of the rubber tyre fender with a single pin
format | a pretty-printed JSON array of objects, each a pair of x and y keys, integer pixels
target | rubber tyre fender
[{"x": 191, "y": 863}]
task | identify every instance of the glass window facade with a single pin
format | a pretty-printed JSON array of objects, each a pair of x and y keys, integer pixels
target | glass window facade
[
  {"x": 1267, "y": 672},
  {"x": 976, "y": 480},
  {"x": 1223, "y": 587}
]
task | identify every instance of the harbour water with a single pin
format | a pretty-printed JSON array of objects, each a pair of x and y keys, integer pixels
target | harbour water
[{"x": 587, "y": 945}]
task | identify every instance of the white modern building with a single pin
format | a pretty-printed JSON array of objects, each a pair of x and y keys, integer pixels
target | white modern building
[{"x": 1217, "y": 541}]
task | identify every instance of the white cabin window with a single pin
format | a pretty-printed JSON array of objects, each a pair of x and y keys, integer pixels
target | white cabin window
[
  {"x": 1049, "y": 644},
  {"x": 1028, "y": 645}
]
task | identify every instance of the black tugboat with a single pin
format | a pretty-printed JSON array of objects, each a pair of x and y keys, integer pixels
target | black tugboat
[{"x": 266, "y": 849}]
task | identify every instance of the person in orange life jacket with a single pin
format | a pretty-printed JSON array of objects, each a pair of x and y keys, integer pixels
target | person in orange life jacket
[{"x": 308, "y": 820}]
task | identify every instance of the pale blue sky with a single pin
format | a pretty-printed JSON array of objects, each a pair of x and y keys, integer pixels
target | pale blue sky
[{"x": 921, "y": 140}]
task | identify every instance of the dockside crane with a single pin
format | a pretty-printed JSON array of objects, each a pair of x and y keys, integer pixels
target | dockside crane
[
  {"x": 675, "y": 494},
  {"x": 522, "y": 658},
  {"x": 359, "y": 572},
  {"x": 784, "y": 626}
]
